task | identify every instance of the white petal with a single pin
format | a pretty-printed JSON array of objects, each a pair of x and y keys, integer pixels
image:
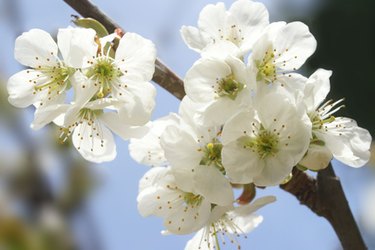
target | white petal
[
  {"x": 220, "y": 50},
  {"x": 190, "y": 111},
  {"x": 77, "y": 45},
  {"x": 199, "y": 241},
  {"x": 245, "y": 219},
  {"x": 181, "y": 150},
  {"x": 113, "y": 122},
  {"x": 146, "y": 203},
  {"x": 317, "y": 157},
  {"x": 34, "y": 47},
  {"x": 147, "y": 150},
  {"x": 212, "y": 19},
  {"x": 136, "y": 55},
  {"x": 43, "y": 116},
  {"x": 217, "y": 113},
  {"x": 292, "y": 82},
  {"x": 139, "y": 101},
  {"x": 84, "y": 89},
  {"x": 94, "y": 142},
  {"x": 263, "y": 44},
  {"x": 241, "y": 164},
  {"x": 152, "y": 177},
  {"x": 252, "y": 17},
  {"x": 104, "y": 103},
  {"x": 202, "y": 76},
  {"x": 188, "y": 220},
  {"x": 239, "y": 125},
  {"x": 212, "y": 184},
  {"x": 295, "y": 43},
  {"x": 317, "y": 88},
  {"x": 349, "y": 143},
  {"x": 21, "y": 90},
  {"x": 193, "y": 38},
  {"x": 275, "y": 170}
]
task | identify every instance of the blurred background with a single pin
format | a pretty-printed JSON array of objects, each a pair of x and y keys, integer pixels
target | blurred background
[{"x": 51, "y": 199}]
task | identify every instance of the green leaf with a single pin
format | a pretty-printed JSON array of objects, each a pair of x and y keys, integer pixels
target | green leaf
[{"x": 93, "y": 24}]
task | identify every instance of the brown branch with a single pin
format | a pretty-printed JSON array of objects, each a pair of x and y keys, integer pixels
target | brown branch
[
  {"x": 324, "y": 196},
  {"x": 332, "y": 195},
  {"x": 163, "y": 76}
]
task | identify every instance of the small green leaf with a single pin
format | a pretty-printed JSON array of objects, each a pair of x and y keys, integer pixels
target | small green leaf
[{"x": 93, "y": 24}]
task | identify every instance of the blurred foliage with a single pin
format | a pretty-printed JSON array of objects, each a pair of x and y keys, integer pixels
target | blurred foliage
[
  {"x": 345, "y": 30},
  {"x": 29, "y": 191}
]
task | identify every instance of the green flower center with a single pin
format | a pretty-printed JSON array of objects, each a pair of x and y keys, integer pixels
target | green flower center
[
  {"x": 193, "y": 199},
  {"x": 229, "y": 87},
  {"x": 318, "y": 122},
  {"x": 104, "y": 73},
  {"x": 58, "y": 76},
  {"x": 212, "y": 155},
  {"x": 266, "y": 67},
  {"x": 264, "y": 144}
]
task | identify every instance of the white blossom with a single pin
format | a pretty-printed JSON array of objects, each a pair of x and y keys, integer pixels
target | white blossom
[
  {"x": 264, "y": 143},
  {"x": 90, "y": 123},
  {"x": 160, "y": 194},
  {"x": 348, "y": 142},
  {"x": 282, "y": 49},
  {"x": 228, "y": 223},
  {"x": 125, "y": 77},
  {"x": 241, "y": 25},
  {"x": 48, "y": 79},
  {"x": 194, "y": 153},
  {"x": 221, "y": 87}
]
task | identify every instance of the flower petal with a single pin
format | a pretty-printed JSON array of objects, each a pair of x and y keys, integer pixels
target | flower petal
[
  {"x": 94, "y": 142},
  {"x": 113, "y": 122},
  {"x": 317, "y": 88},
  {"x": 252, "y": 17},
  {"x": 43, "y": 116},
  {"x": 201, "y": 78},
  {"x": 136, "y": 56},
  {"x": 212, "y": 184},
  {"x": 35, "y": 48},
  {"x": 212, "y": 19},
  {"x": 193, "y": 38},
  {"x": 21, "y": 89},
  {"x": 77, "y": 45},
  {"x": 295, "y": 43}
]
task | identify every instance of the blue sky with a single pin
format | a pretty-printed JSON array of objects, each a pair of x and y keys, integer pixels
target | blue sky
[{"x": 287, "y": 225}]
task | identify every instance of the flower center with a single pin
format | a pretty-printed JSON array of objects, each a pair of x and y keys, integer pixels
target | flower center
[
  {"x": 212, "y": 155},
  {"x": 193, "y": 199},
  {"x": 265, "y": 143},
  {"x": 266, "y": 67},
  {"x": 231, "y": 33},
  {"x": 229, "y": 87},
  {"x": 104, "y": 73},
  {"x": 52, "y": 78},
  {"x": 318, "y": 122}
]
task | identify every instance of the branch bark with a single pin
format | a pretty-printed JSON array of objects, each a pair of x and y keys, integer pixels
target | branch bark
[{"x": 324, "y": 196}]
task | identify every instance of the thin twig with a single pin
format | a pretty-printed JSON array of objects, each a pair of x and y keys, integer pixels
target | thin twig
[{"x": 324, "y": 196}]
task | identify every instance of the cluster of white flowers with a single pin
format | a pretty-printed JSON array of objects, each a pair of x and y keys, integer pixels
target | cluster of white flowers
[
  {"x": 88, "y": 91},
  {"x": 248, "y": 118}
]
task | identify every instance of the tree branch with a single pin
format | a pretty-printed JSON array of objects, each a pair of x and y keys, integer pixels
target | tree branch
[
  {"x": 323, "y": 196},
  {"x": 163, "y": 76},
  {"x": 326, "y": 198}
]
